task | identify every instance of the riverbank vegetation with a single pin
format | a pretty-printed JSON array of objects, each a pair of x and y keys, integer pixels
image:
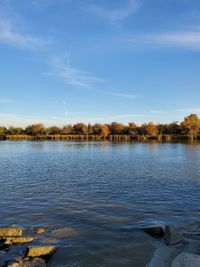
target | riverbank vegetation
[{"x": 188, "y": 128}]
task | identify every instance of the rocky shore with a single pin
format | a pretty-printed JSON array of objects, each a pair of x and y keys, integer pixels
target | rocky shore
[
  {"x": 29, "y": 247},
  {"x": 178, "y": 246},
  {"x": 174, "y": 246}
]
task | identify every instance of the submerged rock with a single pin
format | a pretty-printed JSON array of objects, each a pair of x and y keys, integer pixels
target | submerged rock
[
  {"x": 35, "y": 262},
  {"x": 64, "y": 232},
  {"x": 163, "y": 256},
  {"x": 11, "y": 232},
  {"x": 172, "y": 237},
  {"x": 37, "y": 251},
  {"x": 155, "y": 231},
  {"x": 49, "y": 240},
  {"x": 18, "y": 240},
  {"x": 186, "y": 260},
  {"x": 40, "y": 230}
]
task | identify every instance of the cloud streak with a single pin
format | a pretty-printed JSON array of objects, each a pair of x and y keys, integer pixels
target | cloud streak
[
  {"x": 70, "y": 75},
  {"x": 184, "y": 39},
  {"x": 122, "y": 95},
  {"x": 115, "y": 15},
  {"x": 11, "y": 36}
]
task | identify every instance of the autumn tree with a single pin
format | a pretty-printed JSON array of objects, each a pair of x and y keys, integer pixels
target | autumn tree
[
  {"x": 149, "y": 129},
  {"x": 132, "y": 128},
  {"x": 90, "y": 129},
  {"x": 101, "y": 129},
  {"x": 67, "y": 129},
  {"x": 162, "y": 128},
  {"x": 80, "y": 128},
  {"x": 35, "y": 129},
  {"x": 2, "y": 132},
  {"x": 191, "y": 125},
  {"x": 117, "y": 128}
]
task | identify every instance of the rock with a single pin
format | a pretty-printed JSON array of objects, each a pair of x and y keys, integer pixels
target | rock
[
  {"x": 171, "y": 236},
  {"x": 18, "y": 240},
  {"x": 163, "y": 256},
  {"x": 37, "y": 251},
  {"x": 11, "y": 232},
  {"x": 193, "y": 247},
  {"x": 64, "y": 232},
  {"x": 186, "y": 260},
  {"x": 35, "y": 262},
  {"x": 3, "y": 246},
  {"x": 155, "y": 231},
  {"x": 40, "y": 230}
]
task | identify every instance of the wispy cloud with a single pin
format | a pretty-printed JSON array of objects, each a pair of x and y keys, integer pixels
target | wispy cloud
[
  {"x": 62, "y": 69},
  {"x": 127, "y": 96},
  {"x": 184, "y": 39},
  {"x": 117, "y": 14},
  {"x": 9, "y": 34},
  {"x": 189, "y": 110}
]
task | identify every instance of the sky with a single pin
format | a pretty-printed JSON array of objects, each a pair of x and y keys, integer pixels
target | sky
[{"x": 69, "y": 61}]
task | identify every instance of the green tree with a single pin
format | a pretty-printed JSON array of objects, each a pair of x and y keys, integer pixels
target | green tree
[
  {"x": 15, "y": 130},
  {"x": 191, "y": 125},
  {"x": 53, "y": 130}
]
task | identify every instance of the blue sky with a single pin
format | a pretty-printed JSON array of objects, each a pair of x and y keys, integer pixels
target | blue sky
[{"x": 65, "y": 61}]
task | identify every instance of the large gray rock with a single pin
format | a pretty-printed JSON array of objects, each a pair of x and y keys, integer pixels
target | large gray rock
[
  {"x": 171, "y": 236},
  {"x": 163, "y": 256},
  {"x": 186, "y": 260},
  {"x": 193, "y": 247}
]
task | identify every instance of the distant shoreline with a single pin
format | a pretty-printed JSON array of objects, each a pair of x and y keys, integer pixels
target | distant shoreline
[
  {"x": 189, "y": 128},
  {"x": 99, "y": 138}
]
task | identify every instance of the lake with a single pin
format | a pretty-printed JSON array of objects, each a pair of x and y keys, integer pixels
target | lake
[{"x": 105, "y": 192}]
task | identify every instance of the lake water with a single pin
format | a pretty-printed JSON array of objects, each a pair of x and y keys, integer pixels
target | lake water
[{"x": 105, "y": 192}]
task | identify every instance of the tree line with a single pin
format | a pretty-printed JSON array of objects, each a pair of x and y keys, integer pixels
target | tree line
[{"x": 189, "y": 126}]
